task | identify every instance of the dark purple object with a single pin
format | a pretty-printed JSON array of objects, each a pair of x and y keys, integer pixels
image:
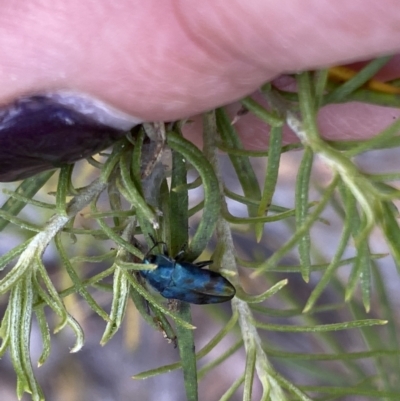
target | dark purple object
[{"x": 38, "y": 134}]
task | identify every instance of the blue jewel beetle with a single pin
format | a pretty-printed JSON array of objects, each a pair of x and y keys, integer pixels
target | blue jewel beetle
[{"x": 188, "y": 282}]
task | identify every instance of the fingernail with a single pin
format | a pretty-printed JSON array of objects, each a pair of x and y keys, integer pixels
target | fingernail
[
  {"x": 44, "y": 131},
  {"x": 99, "y": 111}
]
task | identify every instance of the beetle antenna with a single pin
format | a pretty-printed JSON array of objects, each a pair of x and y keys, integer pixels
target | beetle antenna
[
  {"x": 155, "y": 244},
  {"x": 153, "y": 239},
  {"x": 181, "y": 252}
]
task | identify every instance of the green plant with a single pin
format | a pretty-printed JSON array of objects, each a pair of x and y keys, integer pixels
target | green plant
[{"x": 143, "y": 200}]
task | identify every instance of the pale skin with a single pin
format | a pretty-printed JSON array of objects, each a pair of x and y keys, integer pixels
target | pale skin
[{"x": 171, "y": 59}]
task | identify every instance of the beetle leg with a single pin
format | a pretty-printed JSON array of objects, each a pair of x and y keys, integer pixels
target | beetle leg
[{"x": 204, "y": 263}]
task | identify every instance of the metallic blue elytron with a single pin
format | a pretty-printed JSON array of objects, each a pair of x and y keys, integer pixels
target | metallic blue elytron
[{"x": 187, "y": 282}]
